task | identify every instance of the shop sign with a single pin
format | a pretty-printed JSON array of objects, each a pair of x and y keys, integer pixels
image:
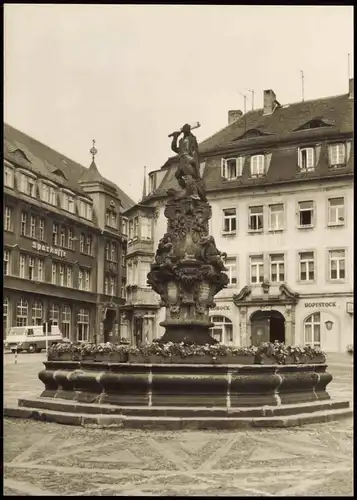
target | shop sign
[
  {"x": 48, "y": 249},
  {"x": 221, "y": 308},
  {"x": 320, "y": 304},
  {"x": 349, "y": 307}
]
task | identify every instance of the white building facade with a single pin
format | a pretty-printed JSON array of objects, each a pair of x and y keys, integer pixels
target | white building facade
[{"x": 280, "y": 183}]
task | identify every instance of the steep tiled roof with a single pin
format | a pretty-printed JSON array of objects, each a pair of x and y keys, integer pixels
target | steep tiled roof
[
  {"x": 45, "y": 161},
  {"x": 280, "y": 135}
]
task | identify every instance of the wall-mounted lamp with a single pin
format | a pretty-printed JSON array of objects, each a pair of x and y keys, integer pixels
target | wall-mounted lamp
[{"x": 329, "y": 324}]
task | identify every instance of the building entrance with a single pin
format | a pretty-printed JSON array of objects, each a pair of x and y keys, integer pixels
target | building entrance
[
  {"x": 267, "y": 326},
  {"x": 108, "y": 324}
]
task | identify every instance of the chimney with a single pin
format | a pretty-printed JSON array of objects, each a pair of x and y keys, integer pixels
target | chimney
[
  {"x": 269, "y": 101},
  {"x": 234, "y": 115},
  {"x": 351, "y": 89}
]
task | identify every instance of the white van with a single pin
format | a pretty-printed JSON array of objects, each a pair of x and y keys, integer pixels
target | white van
[{"x": 32, "y": 338}]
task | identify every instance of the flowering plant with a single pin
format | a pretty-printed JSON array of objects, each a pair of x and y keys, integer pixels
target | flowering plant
[{"x": 87, "y": 347}]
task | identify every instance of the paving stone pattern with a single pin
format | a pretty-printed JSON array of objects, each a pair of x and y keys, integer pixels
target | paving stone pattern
[{"x": 48, "y": 459}]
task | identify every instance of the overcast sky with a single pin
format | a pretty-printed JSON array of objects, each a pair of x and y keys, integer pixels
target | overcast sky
[{"x": 128, "y": 75}]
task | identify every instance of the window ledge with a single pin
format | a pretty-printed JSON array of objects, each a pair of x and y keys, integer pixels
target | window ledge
[
  {"x": 229, "y": 233},
  {"x": 276, "y": 230},
  {"x": 335, "y": 224},
  {"x": 338, "y": 281},
  {"x": 255, "y": 231},
  {"x": 307, "y": 282},
  {"x": 310, "y": 226}
]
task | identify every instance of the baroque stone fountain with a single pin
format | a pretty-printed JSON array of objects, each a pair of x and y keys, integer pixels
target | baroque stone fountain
[{"x": 187, "y": 273}]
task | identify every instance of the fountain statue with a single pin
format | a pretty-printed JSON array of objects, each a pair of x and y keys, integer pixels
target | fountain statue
[{"x": 189, "y": 269}]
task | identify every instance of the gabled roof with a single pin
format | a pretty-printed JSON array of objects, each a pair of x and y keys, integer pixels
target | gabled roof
[{"x": 45, "y": 161}]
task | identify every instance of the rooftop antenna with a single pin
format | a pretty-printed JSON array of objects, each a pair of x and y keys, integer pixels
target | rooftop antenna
[
  {"x": 245, "y": 102},
  {"x": 302, "y": 85},
  {"x": 252, "y": 92}
]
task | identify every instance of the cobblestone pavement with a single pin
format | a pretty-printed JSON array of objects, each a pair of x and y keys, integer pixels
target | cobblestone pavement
[{"x": 48, "y": 459}]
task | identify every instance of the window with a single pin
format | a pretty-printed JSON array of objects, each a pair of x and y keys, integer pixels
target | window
[
  {"x": 306, "y": 213},
  {"x": 312, "y": 330},
  {"x": 337, "y": 259},
  {"x": 337, "y": 154},
  {"x": 146, "y": 228},
  {"x": 89, "y": 245},
  {"x": 123, "y": 289},
  {"x": 307, "y": 266},
  {"x": 277, "y": 271},
  {"x": 112, "y": 286},
  {"x": 61, "y": 275},
  {"x": 336, "y": 211},
  {"x": 136, "y": 227},
  {"x": 48, "y": 194},
  {"x": 27, "y": 185},
  {"x": 124, "y": 226},
  {"x": 69, "y": 277},
  {"x": 256, "y": 269},
  {"x": 306, "y": 158},
  {"x": 229, "y": 220},
  {"x": 231, "y": 168},
  {"x": 54, "y": 274},
  {"x": 53, "y": 314},
  {"x": 31, "y": 268},
  {"x": 23, "y": 230},
  {"x": 80, "y": 280},
  {"x": 85, "y": 210},
  {"x": 111, "y": 219},
  {"x": 276, "y": 217},
  {"x": 8, "y": 177},
  {"x": 231, "y": 265},
  {"x": 222, "y": 330},
  {"x": 256, "y": 218},
  {"x": 62, "y": 238},
  {"x": 68, "y": 202},
  {"x": 81, "y": 243},
  {"x": 66, "y": 322},
  {"x": 37, "y": 313},
  {"x": 123, "y": 257},
  {"x": 113, "y": 252},
  {"x": 131, "y": 229},
  {"x": 8, "y": 219},
  {"x": 83, "y": 325},
  {"x": 152, "y": 182},
  {"x": 22, "y": 266},
  {"x": 70, "y": 239},
  {"x": 40, "y": 266},
  {"x": 32, "y": 226},
  {"x": 6, "y": 263},
  {"x": 106, "y": 285},
  {"x": 55, "y": 234},
  {"x": 87, "y": 281},
  {"x": 5, "y": 314},
  {"x": 107, "y": 253},
  {"x": 41, "y": 230},
  {"x": 257, "y": 165},
  {"x": 21, "y": 312}
]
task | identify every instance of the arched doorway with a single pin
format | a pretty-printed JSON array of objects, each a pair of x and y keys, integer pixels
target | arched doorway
[{"x": 267, "y": 326}]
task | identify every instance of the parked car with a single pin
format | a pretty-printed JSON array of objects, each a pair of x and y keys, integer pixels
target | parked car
[{"x": 31, "y": 338}]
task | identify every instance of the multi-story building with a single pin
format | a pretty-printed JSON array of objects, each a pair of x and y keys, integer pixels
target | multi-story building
[
  {"x": 64, "y": 249},
  {"x": 280, "y": 182}
]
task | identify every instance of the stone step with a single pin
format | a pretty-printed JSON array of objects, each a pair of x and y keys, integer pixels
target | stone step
[
  {"x": 174, "y": 423},
  {"x": 219, "y": 412}
]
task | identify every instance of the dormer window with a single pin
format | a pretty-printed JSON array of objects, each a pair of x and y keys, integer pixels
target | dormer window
[
  {"x": 48, "y": 194},
  {"x": 306, "y": 158},
  {"x": 257, "y": 165},
  {"x": 85, "y": 210},
  {"x": 231, "y": 168},
  {"x": 152, "y": 182},
  {"x": 27, "y": 185},
  {"x": 337, "y": 154},
  {"x": 8, "y": 176},
  {"x": 68, "y": 202}
]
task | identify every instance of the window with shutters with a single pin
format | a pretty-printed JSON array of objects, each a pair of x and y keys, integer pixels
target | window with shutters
[
  {"x": 307, "y": 159},
  {"x": 336, "y": 211},
  {"x": 337, "y": 265},
  {"x": 257, "y": 165},
  {"x": 306, "y": 266},
  {"x": 256, "y": 218},
  {"x": 337, "y": 154},
  {"x": 229, "y": 221}
]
